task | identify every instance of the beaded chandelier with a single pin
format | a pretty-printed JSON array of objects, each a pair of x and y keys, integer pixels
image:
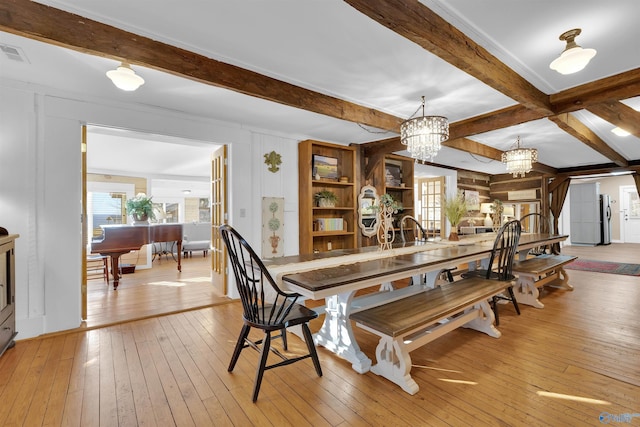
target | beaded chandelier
[
  {"x": 519, "y": 160},
  {"x": 424, "y": 135}
]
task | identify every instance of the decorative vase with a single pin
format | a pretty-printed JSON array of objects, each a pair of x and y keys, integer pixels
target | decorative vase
[
  {"x": 453, "y": 236},
  {"x": 140, "y": 219}
]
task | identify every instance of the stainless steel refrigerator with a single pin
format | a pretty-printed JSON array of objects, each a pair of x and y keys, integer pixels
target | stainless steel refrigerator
[{"x": 605, "y": 219}]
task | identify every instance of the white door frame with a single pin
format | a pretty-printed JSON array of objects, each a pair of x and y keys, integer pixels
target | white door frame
[{"x": 629, "y": 226}]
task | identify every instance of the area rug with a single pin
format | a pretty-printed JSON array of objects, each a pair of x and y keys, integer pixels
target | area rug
[{"x": 604, "y": 267}]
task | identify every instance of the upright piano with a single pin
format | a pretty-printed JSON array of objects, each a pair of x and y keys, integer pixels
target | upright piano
[{"x": 117, "y": 240}]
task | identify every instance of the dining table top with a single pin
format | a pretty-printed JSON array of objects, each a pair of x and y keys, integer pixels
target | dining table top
[{"x": 318, "y": 275}]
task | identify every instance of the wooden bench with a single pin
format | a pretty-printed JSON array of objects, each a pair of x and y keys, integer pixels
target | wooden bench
[
  {"x": 411, "y": 322},
  {"x": 534, "y": 273}
]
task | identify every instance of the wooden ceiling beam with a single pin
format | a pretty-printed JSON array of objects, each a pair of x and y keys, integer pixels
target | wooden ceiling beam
[
  {"x": 544, "y": 169},
  {"x": 498, "y": 119},
  {"x": 475, "y": 148},
  {"x": 33, "y": 20},
  {"x": 615, "y": 88},
  {"x": 602, "y": 169},
  {"x": 416, "y": 22},
  {"x": 618, "y": 114},
  {"x": 578, "y": 130}
]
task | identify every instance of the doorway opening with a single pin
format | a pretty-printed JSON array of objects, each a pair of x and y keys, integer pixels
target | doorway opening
[{"x": 177, "y": 174}]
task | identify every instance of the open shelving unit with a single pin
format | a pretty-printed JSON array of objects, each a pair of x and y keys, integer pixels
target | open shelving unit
[
  {"x": 313, "y": 238},
  {"x": 394, "y": 176}
]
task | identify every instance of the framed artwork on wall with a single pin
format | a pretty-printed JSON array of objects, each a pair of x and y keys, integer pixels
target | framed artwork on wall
[
  {"x": 272, "y": 227},
  {"x": 473, "y": 200}
]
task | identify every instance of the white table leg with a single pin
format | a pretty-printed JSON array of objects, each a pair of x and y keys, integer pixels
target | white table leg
[{"x": 336, "y": 334}]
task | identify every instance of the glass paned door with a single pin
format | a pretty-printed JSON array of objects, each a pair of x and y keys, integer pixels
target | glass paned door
[{"x": 430, "y": 193}]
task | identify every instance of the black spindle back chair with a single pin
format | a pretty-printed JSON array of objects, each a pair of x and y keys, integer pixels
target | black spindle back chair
[
  {"x": 500, "y": 265},
  {"x": 536, "y": 223},
  {"x": 266, "y": 307}
]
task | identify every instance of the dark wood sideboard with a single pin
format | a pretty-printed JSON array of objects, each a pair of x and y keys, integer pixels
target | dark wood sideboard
[{"x": 7, "y": 290}]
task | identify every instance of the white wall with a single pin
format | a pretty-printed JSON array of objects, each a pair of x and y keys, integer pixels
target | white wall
[{"x": 40, "y": 197}]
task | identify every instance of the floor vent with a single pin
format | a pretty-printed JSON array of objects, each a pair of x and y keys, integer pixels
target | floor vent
[{"x": 14, "y": 53}]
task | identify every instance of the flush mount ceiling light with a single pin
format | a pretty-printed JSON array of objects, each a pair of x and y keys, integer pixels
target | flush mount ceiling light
[
  {"x": 125, "y": 78},
  {"x": 519, "y": 160},
  {"x": 574, "y": 58},
  {"x": 424, "y": 135},
  {"x": 620, "y": 132}
]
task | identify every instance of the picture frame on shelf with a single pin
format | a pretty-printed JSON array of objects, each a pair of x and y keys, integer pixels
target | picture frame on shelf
[
  {"x": 325, "y": 167},
  {"x": 393, "y": 175}
]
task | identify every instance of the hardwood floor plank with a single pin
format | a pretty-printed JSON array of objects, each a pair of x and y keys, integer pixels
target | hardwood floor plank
[
  {"x": 125, "y": 407},
  {"x": 90, "y": 415},
  {"x": 59, "y": 388},
  {"x": 107, "y": 379},
  {"x": 157, "y": 398},
  {"x": 28, "y": 387},
  {"x": 179, "y": 409},
  {"x": 180, "y": 367},
  {"x": 141, "y": 400},
  {"x": 39, "y": 400}
]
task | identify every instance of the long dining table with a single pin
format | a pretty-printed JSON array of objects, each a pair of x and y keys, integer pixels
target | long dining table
[{"x": 336, "y": 276}]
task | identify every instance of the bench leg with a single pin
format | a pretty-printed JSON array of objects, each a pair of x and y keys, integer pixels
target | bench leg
[
  {"x": 485, "y": 322},
  {"x": 527, "y": 292},
  {"x": 394, "y": 363},
  {"x": 336, "y": 333},
  {"x": 564, "y": 281}
]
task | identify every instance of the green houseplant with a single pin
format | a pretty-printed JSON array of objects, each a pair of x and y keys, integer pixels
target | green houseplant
[
  {"x": 326, "y": 198},
  {"x": 140, "y": 208},
  {"x": 455, "y": 208}
]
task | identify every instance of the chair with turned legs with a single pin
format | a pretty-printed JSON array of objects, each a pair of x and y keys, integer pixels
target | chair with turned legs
[
  {"x": 500, "y": 265},
  {"x": 265, "y": 307}
]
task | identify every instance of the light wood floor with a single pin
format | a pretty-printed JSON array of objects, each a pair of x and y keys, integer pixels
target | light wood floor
[
  {"x": 151, "y": 292},
  {"x": 564, "y": 365}
]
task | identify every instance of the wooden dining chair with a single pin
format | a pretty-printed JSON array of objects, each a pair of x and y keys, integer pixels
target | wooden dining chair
[
  {"x": 265, "y": 307},
  {"x": 500, "y": 265},
  {"x": 536, "y": 223},
  {"x": 411, "y": 230}
]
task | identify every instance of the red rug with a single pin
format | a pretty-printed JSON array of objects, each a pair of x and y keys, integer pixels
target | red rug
[{"x": 604, "y": 267}]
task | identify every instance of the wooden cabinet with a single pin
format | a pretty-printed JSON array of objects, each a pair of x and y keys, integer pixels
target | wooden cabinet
[
  {"x": 325, "y": 166},
  {"x": 7, "y": 290}
]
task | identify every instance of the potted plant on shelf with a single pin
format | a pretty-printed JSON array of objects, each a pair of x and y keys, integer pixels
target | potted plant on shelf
[
  {"x": 326, "y": 199},
  {"x": 140, "y": 208},
  {"x": 454, "y": 209}
]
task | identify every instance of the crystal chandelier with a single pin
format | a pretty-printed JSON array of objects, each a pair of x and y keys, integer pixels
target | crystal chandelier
[
  {"x": 519, "y": 160},
  {"x": 423, "y": 135}
]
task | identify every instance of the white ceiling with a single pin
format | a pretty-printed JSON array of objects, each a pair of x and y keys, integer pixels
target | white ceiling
[{"x": 329, "y": 47}]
